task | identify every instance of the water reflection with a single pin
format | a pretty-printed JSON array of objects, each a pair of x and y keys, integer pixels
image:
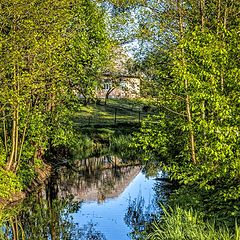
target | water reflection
[
  {"x": 140, "y": 214},
  {"x": 92, "y": 199},
  {"x": 38, "y": 218},
  {"x": 94, "y": 179}
]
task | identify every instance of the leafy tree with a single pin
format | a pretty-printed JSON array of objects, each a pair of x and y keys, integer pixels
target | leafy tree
[
  {"x": 198, "y": 96},
  {"x": 88, "y": 48},
  {"x": 36, "y": 97}
]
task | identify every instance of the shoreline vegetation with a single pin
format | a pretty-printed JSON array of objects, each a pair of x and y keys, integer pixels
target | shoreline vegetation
[
  {"x": 183, "y": 209},
  {"x": 14, "y": 198},
  {"x": 40, "y": 42},
  {"x": 181, "y": 224},
  {"x": 54, "y": 55},
  {"x": 113, "y": 137}
]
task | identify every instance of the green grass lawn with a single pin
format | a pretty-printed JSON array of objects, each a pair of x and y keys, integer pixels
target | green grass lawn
[{"x": 116, "y": 111}]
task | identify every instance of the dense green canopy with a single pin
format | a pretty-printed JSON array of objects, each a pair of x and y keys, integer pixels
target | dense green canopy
[{"x": 48, "y": 50}]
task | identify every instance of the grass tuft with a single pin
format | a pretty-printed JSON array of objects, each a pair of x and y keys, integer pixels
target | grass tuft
[{"x": 180, "y": 224}]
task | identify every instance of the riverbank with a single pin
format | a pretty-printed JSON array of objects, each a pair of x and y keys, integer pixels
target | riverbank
[
  {"x": 181, "y": 223},
  {"x": 99, "y": 181},
  {"x": 84, "y": 141},
  {"x": 91, "y": 141},
  {"x": 15, "y": 196}
]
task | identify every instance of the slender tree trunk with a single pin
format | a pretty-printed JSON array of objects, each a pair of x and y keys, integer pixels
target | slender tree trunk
[
  {"x": 218, "y": 15},
  {"x": 187, "y": 100},
  {"x": 14, "y": 234},
  {"x": 15, "y": 114},
  {"x": 16, "y": 164},
  {"x": 108, "y": 93},
  {"x": 16, "y": 137},
  {"x": 22, "y": 231},
  {"x": 15, "y": 133},
  {"x": 16, "y": 228},
  {"x": 189, "y": 117},
  {"x": 225, "y": 18},
  {"x": 5, "y": 132},
  {"x": 11, "y": 158},
  {"x": 222, "y": 81}
]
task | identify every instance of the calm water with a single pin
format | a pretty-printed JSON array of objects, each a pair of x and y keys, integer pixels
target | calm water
[
  {"x": 95, "y": 199},
  {"x": 109, "y": 217}
]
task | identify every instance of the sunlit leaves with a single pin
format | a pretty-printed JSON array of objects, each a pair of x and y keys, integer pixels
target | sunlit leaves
[
  {"x": 88, "y": 48},
  {"x": 206, "y": 59},
  {"x": 36, "y": 95}
]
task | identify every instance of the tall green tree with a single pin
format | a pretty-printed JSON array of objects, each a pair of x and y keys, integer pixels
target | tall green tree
[
  {"x": 88, "y": 48},
  {"x": 41, "y": 43},
  {"x": 197, "y": 131},
  {"x": 31, "y": 62}
]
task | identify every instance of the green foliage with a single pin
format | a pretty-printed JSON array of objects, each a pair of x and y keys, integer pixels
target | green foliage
[
  {"x": 33, "y": 75},
  {"x": 26, "y": 173},
  {"x": 214, "y": 122},
  {"x": 179, "y": 224},
  {"x": 84, "y": 147},
  {"x": 121, "y": 142},
  {"x": 195, "y": 138},
  {"x": 47, "y": 50},
  {"x": 88, "y": 48},
  {"x": 9, "y": 184},
  {"x": 2, "y": 154},
  {"x": 120, "y": 145},
  {"x": 207, "y": 203},
  {"x": 200, "y": 100}
]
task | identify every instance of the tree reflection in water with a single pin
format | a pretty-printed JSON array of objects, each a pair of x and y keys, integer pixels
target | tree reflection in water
[
  {"x": 42, "y": 216},
  {"x": 95, "y": 179},
  {"x": 140, "y": 215},
  {"x": 48, "y": 214}
]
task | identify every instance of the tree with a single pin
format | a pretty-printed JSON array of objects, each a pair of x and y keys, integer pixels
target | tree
[
  {"x": 117, "y": 72},
  {"x": 195, "y": 95},
  {"x": 35, "y": 43},
  {"x": 88, "y": 49}
]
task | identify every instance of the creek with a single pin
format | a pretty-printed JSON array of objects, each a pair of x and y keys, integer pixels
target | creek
[{"x": 97, "y": 198}]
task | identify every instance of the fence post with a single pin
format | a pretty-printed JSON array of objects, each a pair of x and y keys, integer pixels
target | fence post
[
  {"x": 139, "y": 116},
  {"x": 115, "y": 115}
]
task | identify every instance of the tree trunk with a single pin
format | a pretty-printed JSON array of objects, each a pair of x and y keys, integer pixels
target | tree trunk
[
  {"x": 187, "y": 100},
  {"x": 202, "y": 12},
  {"x": 108, "y": 93},
  {"x": 16, "y": 138},
  {"x": 5, "y": 132}
]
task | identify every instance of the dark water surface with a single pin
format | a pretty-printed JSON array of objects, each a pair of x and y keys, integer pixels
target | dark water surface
[{"x": 93, "y": 199}]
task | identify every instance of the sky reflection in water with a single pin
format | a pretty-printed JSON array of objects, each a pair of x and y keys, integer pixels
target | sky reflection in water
[
  {"x": 108, "y": 216},
  {"x": 99, "y": 199}
]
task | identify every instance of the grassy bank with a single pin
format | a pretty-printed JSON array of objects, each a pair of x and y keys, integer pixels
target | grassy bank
[
  {"x": 180, "y": 224},
  {"x": 107, "y": 128},
  {"x": 115, "y": 111},
  {"x": 110, "y": 139}
]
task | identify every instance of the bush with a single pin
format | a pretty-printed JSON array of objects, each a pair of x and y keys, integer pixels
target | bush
[{"x": 9, "y": 184}]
